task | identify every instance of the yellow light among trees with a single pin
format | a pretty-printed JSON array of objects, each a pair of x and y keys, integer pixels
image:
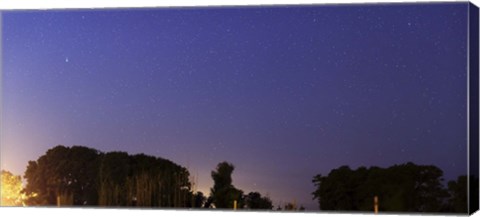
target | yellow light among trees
[{"x": 10, "y": 190}]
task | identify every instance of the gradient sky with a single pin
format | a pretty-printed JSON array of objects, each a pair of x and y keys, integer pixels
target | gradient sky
[{"x": 283, "y": 93}]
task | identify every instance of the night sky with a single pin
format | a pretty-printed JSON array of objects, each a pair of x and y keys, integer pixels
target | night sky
[{"x": 283, "y": 93}]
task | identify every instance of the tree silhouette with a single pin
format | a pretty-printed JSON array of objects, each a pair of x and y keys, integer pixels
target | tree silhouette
[
  {"x": 223, "y": 192},
  {"x": 141, "y": 180},
  {"x": 113, "y": 176},
  {"x": 63, "y": 173},
  {"x": 407, "y": 187},
  {"x": 458, "y": 191},
  {"x": 84, "y": 176},
  {"x": 254, "y": 200},
  {"x": 198, "y": 200}
]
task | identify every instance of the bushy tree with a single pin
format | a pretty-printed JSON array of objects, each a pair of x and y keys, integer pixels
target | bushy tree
[
  {"x": 85, "y": 176},
  {"x": 254, "y": 200},
  {"x": 198, "y": 200},
  {"x": 223, "y": 192},
  {"x": 141, "y": 180},
  {"x": 63, "y": 172},
  {"x": 407, "y": 187}
]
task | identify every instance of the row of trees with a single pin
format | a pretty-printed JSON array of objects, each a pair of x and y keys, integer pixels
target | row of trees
[
  {"x": 84, "y": 176},
  {"x": 141, "y": 180},
  {"x": 399, "y": 188}
]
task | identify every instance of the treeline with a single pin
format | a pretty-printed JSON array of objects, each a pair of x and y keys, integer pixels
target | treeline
[
  {"x": 85, "y": 176},
  {"x": 81, "y": 176},
  {"x": 399, "y": 188},
  {"x": 77, "y": 176}
]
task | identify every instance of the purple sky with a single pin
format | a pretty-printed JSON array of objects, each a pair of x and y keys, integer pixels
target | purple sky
[{"x": 283, "y": 93}]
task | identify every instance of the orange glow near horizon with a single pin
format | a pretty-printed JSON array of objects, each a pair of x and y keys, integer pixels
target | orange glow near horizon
[{"x": 11, "y": 187}]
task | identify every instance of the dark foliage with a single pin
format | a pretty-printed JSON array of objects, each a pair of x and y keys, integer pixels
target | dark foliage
[
  {"x": 458, "y": 201},
  {"x": 84, "y": 176},
  {"x": 223, "y": 192},
  {"x": 65, "y": 172},
  {"x": 400, "y": 188},
  {"x": 254, "y": 200}
]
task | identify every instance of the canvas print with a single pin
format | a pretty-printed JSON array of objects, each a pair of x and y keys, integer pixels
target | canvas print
[{"x": 286, "y": 108}]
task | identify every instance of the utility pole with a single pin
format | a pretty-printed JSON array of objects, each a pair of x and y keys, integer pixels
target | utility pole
[{"x": 375, "y": 204}]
